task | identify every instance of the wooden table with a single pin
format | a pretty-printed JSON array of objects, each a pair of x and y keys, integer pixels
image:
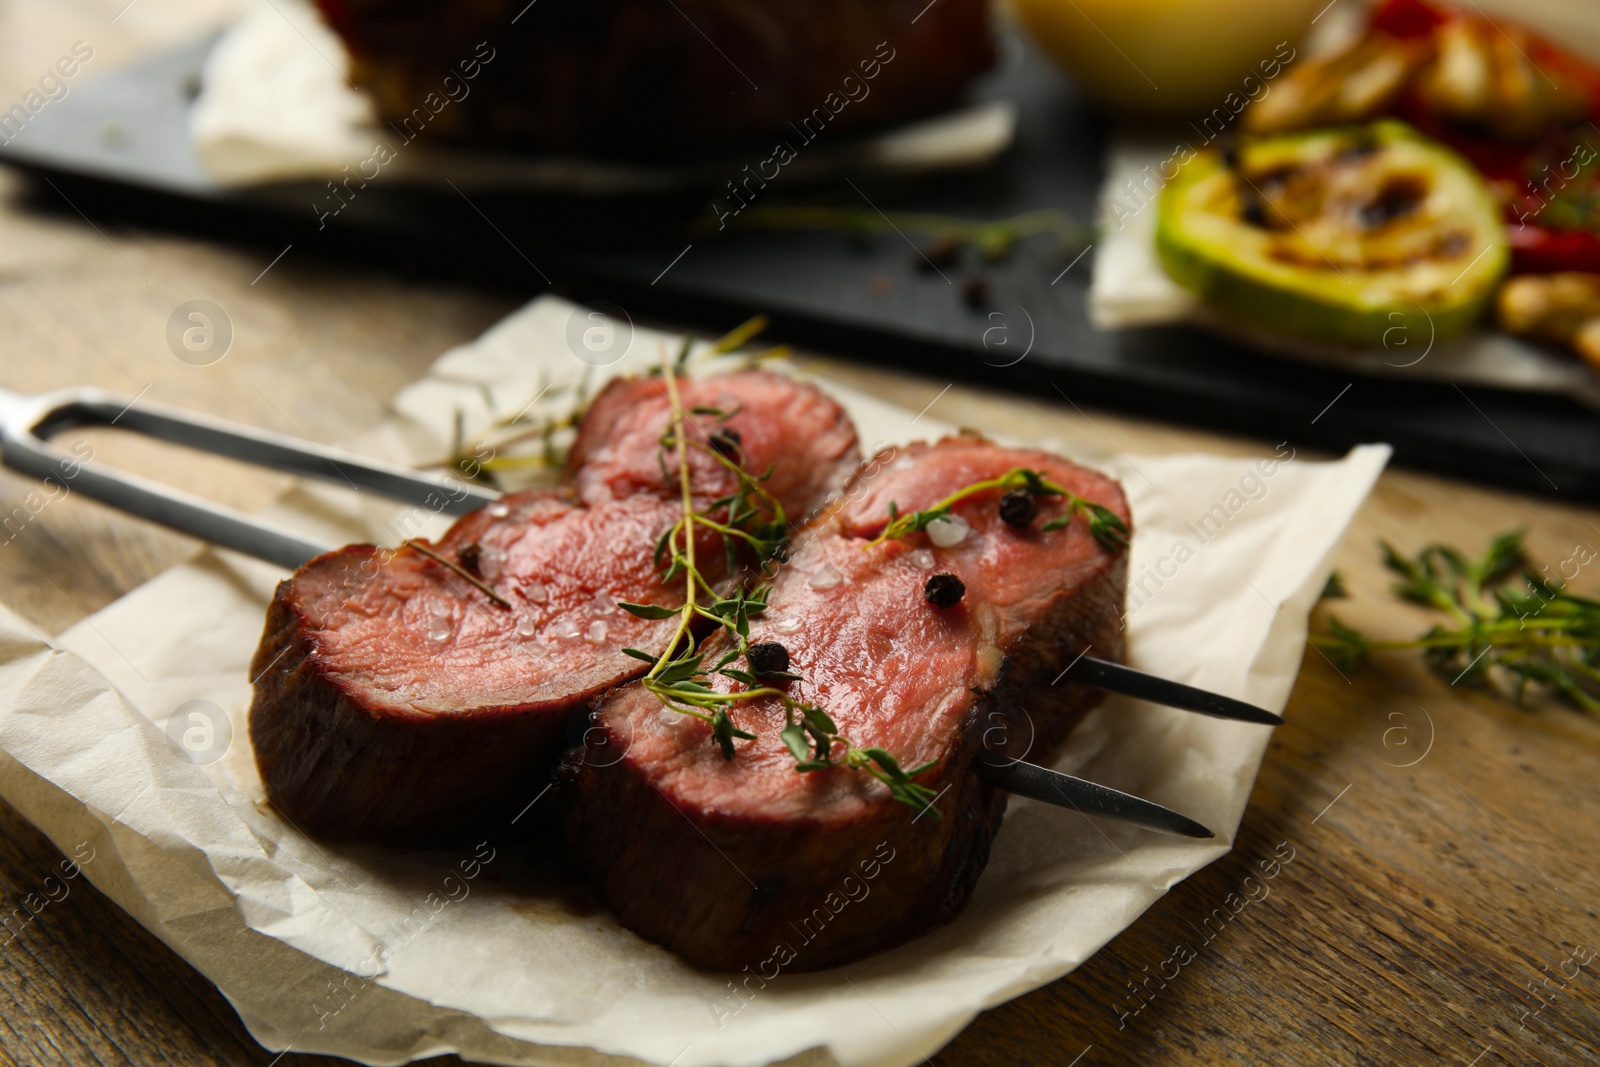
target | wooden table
[{"x": 1422, "y": 902}]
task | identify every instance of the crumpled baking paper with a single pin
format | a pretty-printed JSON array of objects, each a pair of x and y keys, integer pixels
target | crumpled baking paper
[
  {"x": 384, "y": 955},
  {"x": 276, "y": 104}
]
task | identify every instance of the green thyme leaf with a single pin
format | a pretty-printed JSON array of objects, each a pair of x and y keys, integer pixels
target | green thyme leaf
[
  {"x": 1504, "y": 559},
  {"x": 1333, "y": 588},
  {"x": 680, "y": 669},
  {"x": 818, "y": 718},
  {"x": 1343, "y": 646},
  {"x": 1035, "y": 483},
  {"x": 890, "y": 765},
  {"x": 723, "y": 732},
  {"x": 794, "y": 739},
  {"x": 647, "y": 611},
  {"x": 919, "y": 797},
  {"x": 1107, "y": 527},
  {"x": 823, "y": 740}
]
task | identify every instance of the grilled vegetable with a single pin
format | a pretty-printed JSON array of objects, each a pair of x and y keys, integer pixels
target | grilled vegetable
[
  {"x": 1485, "y": 75},
  {"x": 1354, "y": 85},
  {"x": 1557, "y": 210},
  {"x": 1561, "y": 309},
  {"x": 1343, "y": 235},
  {"x": 1536, "y": 249},
  {"x": 1444, "y": 69}
]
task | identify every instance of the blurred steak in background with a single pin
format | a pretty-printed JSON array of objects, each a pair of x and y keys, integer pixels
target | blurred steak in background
[{"x": 662, "y": 78}]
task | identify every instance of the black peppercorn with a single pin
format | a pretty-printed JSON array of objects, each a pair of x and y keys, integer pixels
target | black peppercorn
[
  {"x": 726, "y": 441},
  {"x": 1230, "y": 152},
  {"x": 1019, "y": 508},
  {"x": 1252, "y": 211},
  {"x": 941, "y": 252},
  {"x": 944, "y": 590},
  {"x": 975, "y": 293},
  {"x": 470, "y": 556},
  {"x": 768, "y": 657}
]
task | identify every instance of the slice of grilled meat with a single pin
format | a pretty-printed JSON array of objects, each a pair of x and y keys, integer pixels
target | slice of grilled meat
[
  {"x": 646, "y": 78},
  {"x": 749, "y": 862},
  {"x": 394, "y": 699}
]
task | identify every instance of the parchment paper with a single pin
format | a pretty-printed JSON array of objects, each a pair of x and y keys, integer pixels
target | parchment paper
[
  {"x": 276, "y": 104},
  {"x": 384, "y": 955}
]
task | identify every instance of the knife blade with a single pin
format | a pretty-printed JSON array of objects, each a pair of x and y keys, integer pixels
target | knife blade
[
  {"x": 1115, "y": 678},
  {"x": 1089, "y": 798}
]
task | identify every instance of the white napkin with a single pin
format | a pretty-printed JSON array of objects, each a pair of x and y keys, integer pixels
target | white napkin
[{"x": 385, "y": 956}]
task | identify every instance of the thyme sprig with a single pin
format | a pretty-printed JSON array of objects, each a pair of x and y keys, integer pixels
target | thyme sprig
[
  {"x": 1575, "y": 206},
  {"x": 460, "y": 571},
  {"x": 486, "y": 459},
  {"x": 1105, "y": 525},
  {"x": 726, "y": 345},
  {"x": 1533, "y": 632},
  {"x": 810, "y": 734},
  {"x": 679, "y": 676},
  {"x": 501, "y": 448}
]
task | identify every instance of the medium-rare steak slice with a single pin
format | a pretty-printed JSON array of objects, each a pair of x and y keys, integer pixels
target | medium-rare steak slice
[
  {"x": 393, "y": 698},
  {"x": 797, "y": 437},
  {"x": 653, "y": 79},
  {"x": 745, "y": 862}
]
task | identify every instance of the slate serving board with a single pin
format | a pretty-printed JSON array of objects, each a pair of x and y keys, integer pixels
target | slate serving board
[{"x": 119, "y": 149}]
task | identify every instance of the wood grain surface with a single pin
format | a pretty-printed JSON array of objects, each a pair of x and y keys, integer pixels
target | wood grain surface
[{"x": 1432, "y": 849}]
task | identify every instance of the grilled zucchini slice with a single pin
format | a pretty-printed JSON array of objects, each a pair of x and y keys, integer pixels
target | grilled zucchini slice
[{"x": 1341, "y": 235}]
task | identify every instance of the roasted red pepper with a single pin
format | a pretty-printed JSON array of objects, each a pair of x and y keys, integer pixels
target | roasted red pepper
[
  {"x": 1551, "y": 188},
  {"x": 1408, "y": 18},
  {"x": 1535, "y": 250}
]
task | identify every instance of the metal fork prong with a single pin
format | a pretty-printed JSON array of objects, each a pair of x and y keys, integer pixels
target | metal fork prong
[
  {"x": 25, "y": 447},
  {"x": 261, "y": 448}
]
